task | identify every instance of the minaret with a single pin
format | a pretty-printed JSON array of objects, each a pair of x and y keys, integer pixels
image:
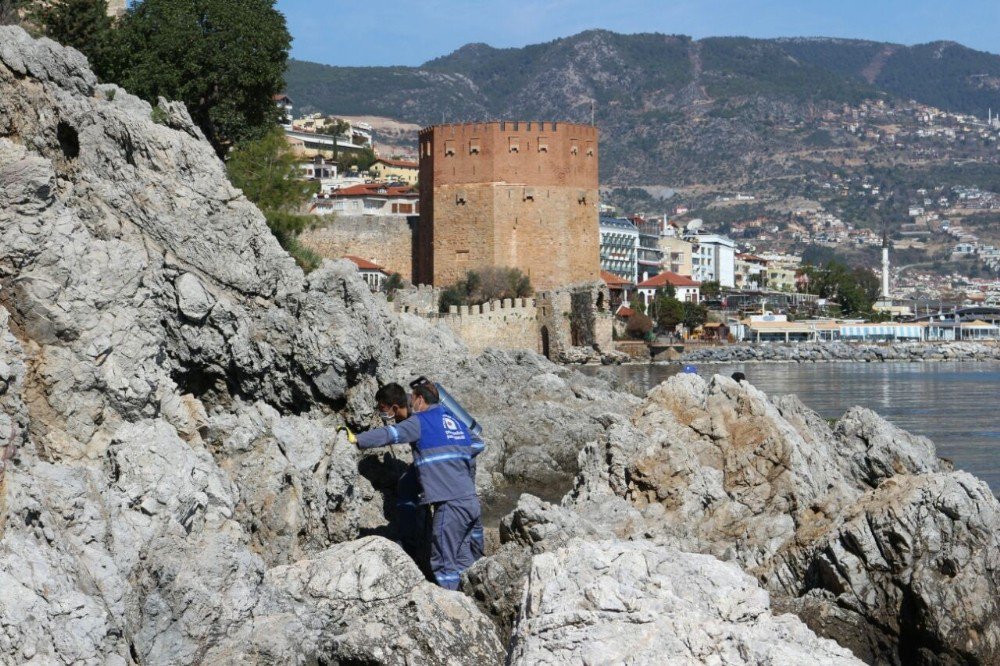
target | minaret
[{"x": 885, "y": 263}]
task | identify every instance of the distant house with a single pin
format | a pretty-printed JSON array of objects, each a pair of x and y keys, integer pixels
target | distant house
[
  {"x": 751, "y": 271},
  {"x": 619, "y": 243},
  {"x": 619, "y": 289},
  {"x": 714, "y": 259},
  {"x": 369, "y": 199},
  {"x": 677, "y": 255},
  {"x": 394, "y": 171},
  {"x": 373, "y": 274},
  {"x": 317, "y": 168},
  {"x": 685, "y": 289}
]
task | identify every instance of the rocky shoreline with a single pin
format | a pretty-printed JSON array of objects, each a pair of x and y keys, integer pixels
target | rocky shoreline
[
  {"x": 843, "y": 351},
  {"x": 173, "y": 490}
]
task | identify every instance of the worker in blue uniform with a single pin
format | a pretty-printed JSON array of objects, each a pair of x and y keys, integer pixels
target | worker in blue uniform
[{"x": 442, "y": 458}]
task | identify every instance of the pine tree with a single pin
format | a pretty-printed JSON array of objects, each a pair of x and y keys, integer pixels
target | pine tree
[
  {"x": 225, "y": 60},
  {"x": 266, "y": 170}
]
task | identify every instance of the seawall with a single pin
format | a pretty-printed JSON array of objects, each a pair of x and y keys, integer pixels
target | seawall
[{"x": 843, "y": 351}]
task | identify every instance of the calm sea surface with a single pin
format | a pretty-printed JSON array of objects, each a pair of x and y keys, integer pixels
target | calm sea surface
[{"x": 957, "y": 405}]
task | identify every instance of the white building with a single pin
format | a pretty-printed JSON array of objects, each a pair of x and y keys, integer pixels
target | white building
[
  {"x": 713, "y": 259},
  {"x": 686, "y": 290},
  {"x": 619, "y": 247},
  {"x": 284, "y": 104},
  {"x": 369, "y": 199},
  {"x": 373, "y": 274}
]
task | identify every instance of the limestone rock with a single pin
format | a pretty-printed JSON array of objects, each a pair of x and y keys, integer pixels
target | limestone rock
[
  {"x": 359, "y": 602},
  {"x": 857, "y": 527},
  {"x": 193, "y": 300},
  {"x": 612, "y": 602},
  {"x": 909, "y": 574},
  {"x": 536, "y": 415}
]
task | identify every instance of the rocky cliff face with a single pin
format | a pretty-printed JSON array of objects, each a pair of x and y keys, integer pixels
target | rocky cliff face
[
  {"x": 173, "y": 492},
  {"x": 170, "y": 383},
  {"x": 857, "y": 527}
]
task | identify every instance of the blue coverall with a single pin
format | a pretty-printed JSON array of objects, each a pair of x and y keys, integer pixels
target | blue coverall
[{"x": 442, "y": 457}]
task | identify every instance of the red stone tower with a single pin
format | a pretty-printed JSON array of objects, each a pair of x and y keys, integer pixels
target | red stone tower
[{"x": 519, "y": 194}]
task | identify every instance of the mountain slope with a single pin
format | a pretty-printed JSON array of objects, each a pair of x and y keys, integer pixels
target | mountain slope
[{"x": 671, "y": 109}]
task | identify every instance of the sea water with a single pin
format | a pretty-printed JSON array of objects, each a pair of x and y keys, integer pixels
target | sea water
[{"x": 955, "y": 404}]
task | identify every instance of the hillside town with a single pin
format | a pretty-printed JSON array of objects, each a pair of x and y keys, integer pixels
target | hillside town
[
  {"x": 393, "y": 212},
  {"x": 340, "y": 355}
]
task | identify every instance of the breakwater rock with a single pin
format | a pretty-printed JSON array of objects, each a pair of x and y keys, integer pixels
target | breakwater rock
[
  {"x": 811, "y": 352},
  {"x": 173, "y": 490}
]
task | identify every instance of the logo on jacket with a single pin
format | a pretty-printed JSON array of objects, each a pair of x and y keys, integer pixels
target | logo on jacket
[{"x": 451, "y": 428}]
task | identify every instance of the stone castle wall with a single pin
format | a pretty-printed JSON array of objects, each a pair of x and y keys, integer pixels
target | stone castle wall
[
  {"x": 551, "y": 324},
  {"x": 578, "y": 316},
  {"x": 387, "y": 241},
  {"x": 508, "y": 324},
  {"x": 513, "y": 194}
]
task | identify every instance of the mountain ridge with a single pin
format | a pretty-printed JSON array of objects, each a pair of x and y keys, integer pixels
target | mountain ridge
[{"x": 669, "y": 103}]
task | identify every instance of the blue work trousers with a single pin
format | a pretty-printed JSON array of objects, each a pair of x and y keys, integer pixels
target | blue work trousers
[
  {"x": 412, "y": 518},
  {"x": 452, "y": 550}
]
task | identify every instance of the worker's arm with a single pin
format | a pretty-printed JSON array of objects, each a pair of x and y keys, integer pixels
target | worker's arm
[{"x": 404, "y": 432}]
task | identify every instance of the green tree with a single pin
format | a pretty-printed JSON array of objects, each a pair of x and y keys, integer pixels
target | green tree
[
  {"x": 225, "y": 60},
  {"x": 488, "y": 284},
  {"x": 854, "y": 289},
  {"x": 12, "y": 12},
  {"x": 695, "y": 315},
  {"x": 668, "y": 312},
  {"x": 82, "y": 24},
  {"x": 639, "y": 325},
  {"x": 362, "y": 159},
  {"x": 711, "y": 290},
  {"x": 266, "y": 171},
  {"x": 392, "y": 284},
  {"x": 636, "y": 304}
]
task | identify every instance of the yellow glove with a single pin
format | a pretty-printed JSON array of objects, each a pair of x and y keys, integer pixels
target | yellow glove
[{"x": 350, "y": 435}]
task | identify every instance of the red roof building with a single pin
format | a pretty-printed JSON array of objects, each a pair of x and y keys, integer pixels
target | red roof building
[
  {"x": 373, "y": 274},
  {"x": 615, "y": 281},
  {"x": 668, "y": 278},
  {"x": 685, "y": 289},
  {"x": 369, "y": 199},
  {"x": 619, "y": 289}
]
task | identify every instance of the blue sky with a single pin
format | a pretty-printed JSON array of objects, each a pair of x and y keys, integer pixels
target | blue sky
[{"x": 392, "y": 32}]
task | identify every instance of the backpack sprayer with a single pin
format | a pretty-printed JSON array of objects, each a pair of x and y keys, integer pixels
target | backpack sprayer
[{"x": 452, "y": 405}]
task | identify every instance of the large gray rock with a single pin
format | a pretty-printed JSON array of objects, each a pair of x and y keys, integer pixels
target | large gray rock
[
  {"x": 859, "y": 528},
  {"x": 359, "y": 602},
  {"x": 613, "y": 602},
  {"x": 172, "y": 396},
  {"x": 911, "y": 571},
  {"x": 534, "y": 526},
  {"x": 139, "y": 271}
]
